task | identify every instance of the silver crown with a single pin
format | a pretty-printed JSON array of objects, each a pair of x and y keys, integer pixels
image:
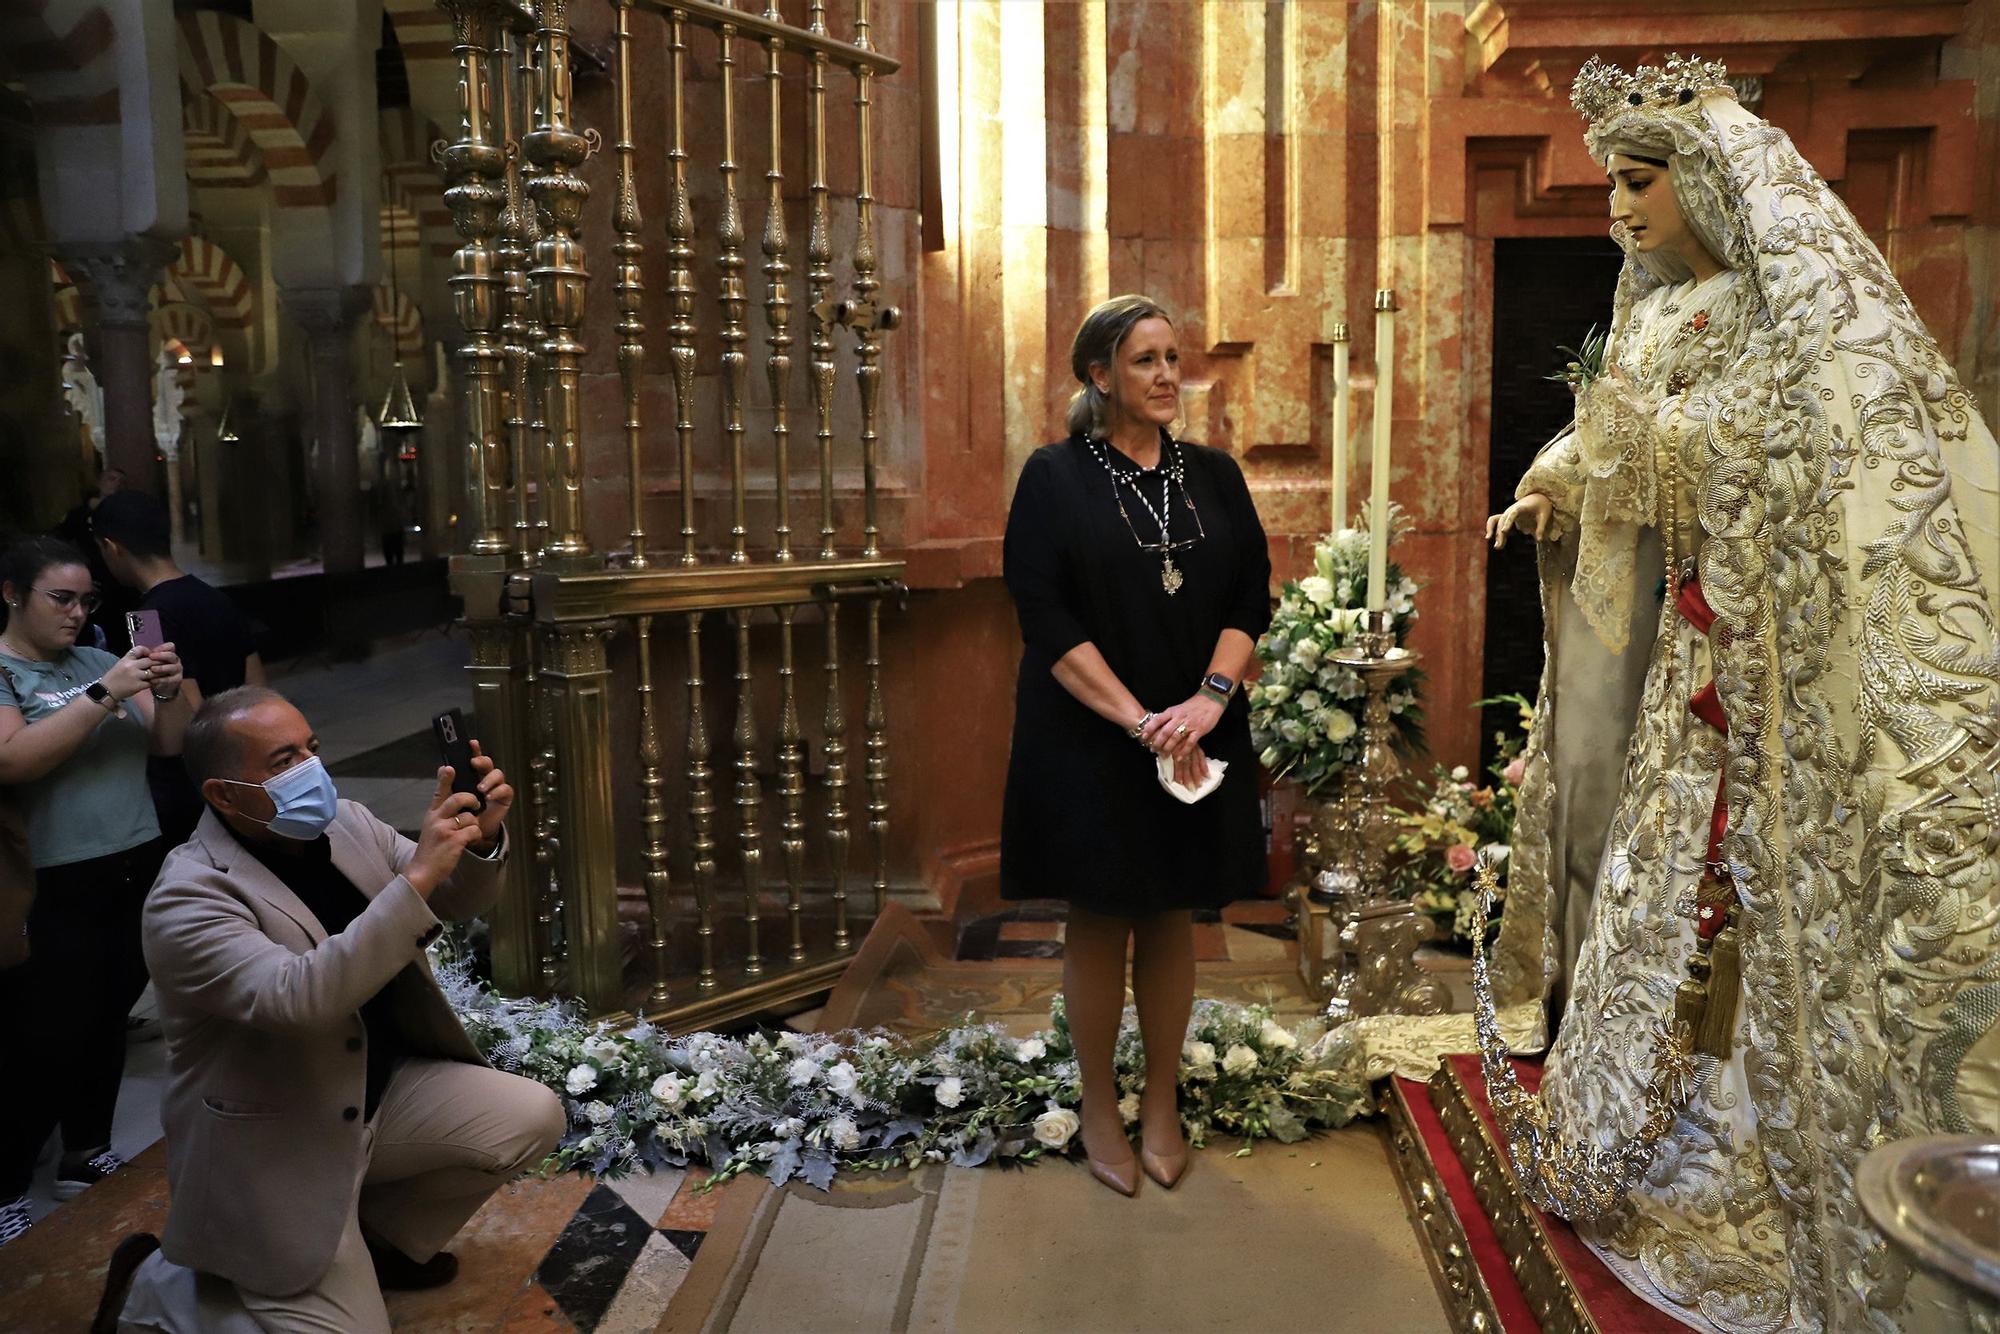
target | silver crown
[{"x": 1602, "y": 91}]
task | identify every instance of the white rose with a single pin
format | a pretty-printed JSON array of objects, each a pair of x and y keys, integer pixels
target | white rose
[
  {"x": 1239, "y": 1059},
  {"x": 670, "y": 1090},
  {"x": 843, "y": 1133},
  {"x": 1305, "y": 653},
  {"x": 791, "y": 1042},
  {"x": 950, "y": 1092},
  {"x": 1029, "y": 1049},
  {"x": 1276, "y": 1037},
  {"x": 1319, "y": 590},
  {"x": 842, "y": 1079},
  {"x": 800, "y": 1072},
  {"x": 1459, "y": 773},
  {"x": 597, "y": 1113},
  {"x": 1340, "y": 725},
  {"x": 1200, "y": 1057},
  {"x": 1311, "y": 702},
  {"x": 603, "y": 1050},
  {"x": 1054, "y": 1127},
  {"x": 1128, "y": 1108},
  {"x": 582, "y": 1079}
]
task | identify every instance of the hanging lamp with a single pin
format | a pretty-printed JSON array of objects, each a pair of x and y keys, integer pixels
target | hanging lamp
[{"x": 399, "y": 407}]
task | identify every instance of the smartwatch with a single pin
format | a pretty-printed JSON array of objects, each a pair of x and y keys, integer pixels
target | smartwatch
[
  {"x": 1219, "y": 685},
  {"x": 97, "y": 694}
]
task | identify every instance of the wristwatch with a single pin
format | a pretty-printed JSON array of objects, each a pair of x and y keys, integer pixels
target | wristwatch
[
  {"x": 97, "y": 694},
  {"x": 1219, "y": 685}
]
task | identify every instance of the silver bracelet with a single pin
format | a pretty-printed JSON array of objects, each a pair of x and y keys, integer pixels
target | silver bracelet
[{"x": 1137, "y": 731}]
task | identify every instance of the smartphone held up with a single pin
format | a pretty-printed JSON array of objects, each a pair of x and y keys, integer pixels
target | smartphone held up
[{"x": 455, "y": 749}]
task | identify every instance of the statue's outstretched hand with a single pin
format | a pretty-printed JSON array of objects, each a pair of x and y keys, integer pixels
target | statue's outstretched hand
[{"x": 1532, "y": 512}]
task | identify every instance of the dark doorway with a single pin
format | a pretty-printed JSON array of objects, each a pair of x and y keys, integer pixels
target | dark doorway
[{"x": 1547, "y": 291}]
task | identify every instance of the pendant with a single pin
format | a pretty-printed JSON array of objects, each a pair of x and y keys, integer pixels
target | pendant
[{"x": 1170, "y": 578}]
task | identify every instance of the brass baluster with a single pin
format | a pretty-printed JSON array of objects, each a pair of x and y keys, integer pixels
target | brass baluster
[
  {"x": 541, "y": 454},
  {"x": 653, "y": 814},
  {"x": 548, "y": 829},
  {"x": 680, "y": 289},
  {"x": 791, "y": 785},
  {"x": 778, "y": 301},
  {"x": 819, "y": 287},
  {"x": 701, "y": 809},
  {"x": 749, "y": 800},
  {"x": 557, "y": 148},
  {"x": 474, "y": 164},
  {"x": 730, "y": 295},
  {"x": 518, "y": 233},
  {"x": 836, "y": 778},
  {"x": 863, "y": 317},
  {"x": 579, "y": 676},
  {"x": 631, "y": 328},
  {"x": 875, "y": 724}
]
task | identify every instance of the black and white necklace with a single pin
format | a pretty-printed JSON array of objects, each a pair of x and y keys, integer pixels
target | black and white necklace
[{"x": 1173, "y": 469}]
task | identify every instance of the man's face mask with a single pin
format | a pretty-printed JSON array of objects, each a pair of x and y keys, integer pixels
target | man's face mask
[{"x": 302, "y": 800}]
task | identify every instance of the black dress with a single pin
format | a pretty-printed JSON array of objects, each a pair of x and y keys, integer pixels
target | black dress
[{"x": 1086, "y": 819}]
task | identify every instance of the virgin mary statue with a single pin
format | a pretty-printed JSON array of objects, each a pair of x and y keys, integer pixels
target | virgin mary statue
[{"x": 1757, "y": 868}]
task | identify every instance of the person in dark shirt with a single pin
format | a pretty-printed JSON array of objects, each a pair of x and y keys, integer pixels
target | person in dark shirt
[
  {"x": 218, "y": 649},
  {"x": 107, "y": 623}
]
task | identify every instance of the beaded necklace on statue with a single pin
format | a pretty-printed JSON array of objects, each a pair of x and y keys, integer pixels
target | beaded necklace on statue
[{"x": 1173, "y": 470}]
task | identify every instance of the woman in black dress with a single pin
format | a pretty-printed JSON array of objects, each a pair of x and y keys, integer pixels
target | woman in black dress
[{"x": 1141, "y": 578}]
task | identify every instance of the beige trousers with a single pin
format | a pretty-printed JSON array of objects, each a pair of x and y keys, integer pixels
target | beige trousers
[{"x": 446, "y": 1136}]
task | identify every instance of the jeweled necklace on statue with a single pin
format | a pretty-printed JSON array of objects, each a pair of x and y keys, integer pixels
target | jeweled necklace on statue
[{"x": 1173, "y": 469}]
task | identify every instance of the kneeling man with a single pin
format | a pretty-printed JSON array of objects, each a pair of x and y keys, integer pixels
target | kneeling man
[{"x": 329, "y": 1125}]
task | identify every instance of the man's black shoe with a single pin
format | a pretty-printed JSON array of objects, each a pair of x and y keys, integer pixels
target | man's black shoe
[
  {"x": 125, "y": 1261},
  {"x": 397, "y": 1272}
]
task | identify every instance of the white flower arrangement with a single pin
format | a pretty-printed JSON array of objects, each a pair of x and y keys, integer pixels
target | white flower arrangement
[
  {"x": 1305, "y": 707},
  {"x": 969, "y": 1095}
]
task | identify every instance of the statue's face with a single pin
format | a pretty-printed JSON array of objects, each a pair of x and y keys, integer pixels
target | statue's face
[{"x": 1643, "y": 203}]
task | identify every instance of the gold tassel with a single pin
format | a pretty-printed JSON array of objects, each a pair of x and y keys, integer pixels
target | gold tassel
[
  {"x": 1691, "y": 997},
  {"x": 1715, "y": 1035}
]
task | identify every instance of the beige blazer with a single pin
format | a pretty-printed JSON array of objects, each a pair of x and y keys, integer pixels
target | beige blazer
[{"x": 266, "y": 1054}]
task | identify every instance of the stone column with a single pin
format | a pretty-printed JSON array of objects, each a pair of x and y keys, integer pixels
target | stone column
[
  {"x": 327, "y": 315},
  {"x": 118, "y": 278}
]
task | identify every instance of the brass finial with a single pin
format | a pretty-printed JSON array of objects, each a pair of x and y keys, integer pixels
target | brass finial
[
  {"x": 1340, "y": 332},
  {"x": 1385, "y": 299}
]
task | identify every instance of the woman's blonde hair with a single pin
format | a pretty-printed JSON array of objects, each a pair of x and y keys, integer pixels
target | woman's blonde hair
[{"x": 1097, "y": 341}]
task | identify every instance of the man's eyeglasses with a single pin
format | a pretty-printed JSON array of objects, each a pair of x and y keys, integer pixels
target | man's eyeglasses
[{"x": 67, "y": 598}]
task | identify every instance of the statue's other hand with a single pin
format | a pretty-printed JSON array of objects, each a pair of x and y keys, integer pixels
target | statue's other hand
[{"x": 1532, "y": 512}]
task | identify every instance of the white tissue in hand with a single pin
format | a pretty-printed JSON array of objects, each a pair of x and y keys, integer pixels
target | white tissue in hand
[{"x": 1190, "y": 795}]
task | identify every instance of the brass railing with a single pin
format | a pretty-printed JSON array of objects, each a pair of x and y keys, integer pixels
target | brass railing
[{"x": 548, "y": 614}]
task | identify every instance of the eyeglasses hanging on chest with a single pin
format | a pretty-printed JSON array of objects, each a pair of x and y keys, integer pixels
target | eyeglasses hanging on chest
[{"x": 1172, "y": 472}]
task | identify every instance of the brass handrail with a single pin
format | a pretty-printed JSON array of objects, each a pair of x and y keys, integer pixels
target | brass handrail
[{"x": 750, "y": 24}]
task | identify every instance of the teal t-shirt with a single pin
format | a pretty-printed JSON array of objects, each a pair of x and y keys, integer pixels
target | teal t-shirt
[{"x": 96, "y": 802}]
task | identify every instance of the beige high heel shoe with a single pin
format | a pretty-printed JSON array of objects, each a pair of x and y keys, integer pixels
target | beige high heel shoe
[
  {"x": 1121, "y": 1177},
  {"x": 1165, "y": 1170}
]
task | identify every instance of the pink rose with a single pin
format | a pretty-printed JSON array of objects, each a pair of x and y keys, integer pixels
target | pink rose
[
  {"x": 1461, "y": 858},
  {"x": 1515, "y": 770}
]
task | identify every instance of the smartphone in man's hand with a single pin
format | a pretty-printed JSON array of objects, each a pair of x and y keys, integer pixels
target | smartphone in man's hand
[
  {"x": 455, "y": 746},
  {"x": 144, "y": 629}
]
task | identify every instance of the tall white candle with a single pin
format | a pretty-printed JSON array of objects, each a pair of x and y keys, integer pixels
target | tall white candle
[
  {"x": 1338, "y": 447},
  {"x": 1378, "y": 464}
]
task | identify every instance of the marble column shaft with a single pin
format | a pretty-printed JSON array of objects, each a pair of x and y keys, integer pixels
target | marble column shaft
[
  {"x": 118, "y": 279},
  {"x": 327, "y": 315}
]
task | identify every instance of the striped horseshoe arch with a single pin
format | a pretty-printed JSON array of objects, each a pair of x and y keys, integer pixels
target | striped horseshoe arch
[
  {"x": 220, "y": 153},
  {"x": 207, "y": 270},
  {"x": 64, "y": 49},
  {"x": 259, "y": 85}
]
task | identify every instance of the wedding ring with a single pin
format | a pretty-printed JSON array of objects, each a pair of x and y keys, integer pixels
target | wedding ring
[
  {"x": 459, "y": 820},
  {"x": 1181, "y": 730}
]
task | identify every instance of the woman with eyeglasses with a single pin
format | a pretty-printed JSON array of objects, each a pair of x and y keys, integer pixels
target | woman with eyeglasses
[
  {"x": 1141, "y": 577},
  {"x": 76, "y": 725}
]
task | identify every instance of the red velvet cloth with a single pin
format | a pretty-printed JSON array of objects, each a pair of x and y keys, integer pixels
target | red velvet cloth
[
  {"x": 1516, "y": 1316},
  {"x": 1615, "y": 1307}
]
